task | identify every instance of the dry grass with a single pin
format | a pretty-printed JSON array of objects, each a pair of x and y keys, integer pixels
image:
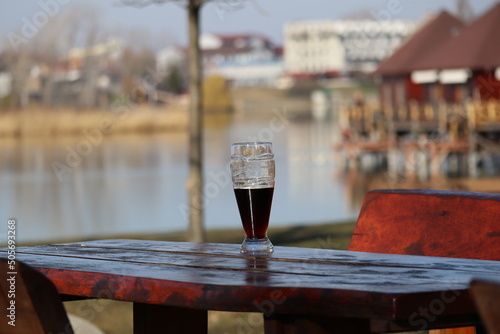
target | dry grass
[{"x": 56, "y": 122}]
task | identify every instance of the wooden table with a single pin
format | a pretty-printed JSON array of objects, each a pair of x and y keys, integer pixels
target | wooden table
[{"x": 299, "y": 290}]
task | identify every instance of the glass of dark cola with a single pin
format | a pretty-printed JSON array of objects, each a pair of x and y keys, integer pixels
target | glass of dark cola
[{"x": 253, "y": 170}]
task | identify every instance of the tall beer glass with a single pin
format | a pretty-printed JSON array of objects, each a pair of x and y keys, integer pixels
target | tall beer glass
[{"x": 252, "y": 170}]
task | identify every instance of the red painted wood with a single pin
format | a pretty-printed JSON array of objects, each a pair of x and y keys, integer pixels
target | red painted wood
[
  {"x": 429, "y": 222},
  {"x": 37, "y": 307},
  {"x": 487, "y": 85},
  {"x": 384, "y": 288},
  {"x": 414, "y": 92}
]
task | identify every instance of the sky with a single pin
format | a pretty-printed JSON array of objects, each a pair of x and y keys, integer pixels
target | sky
[{"x": 167, "y": 24}]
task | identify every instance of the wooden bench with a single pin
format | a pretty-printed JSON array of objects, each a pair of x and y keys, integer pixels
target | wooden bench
[
  {"x": 430, "y": 222},
  {"x": 487, "y": 297},
  {"x": 34, "y": 302}
]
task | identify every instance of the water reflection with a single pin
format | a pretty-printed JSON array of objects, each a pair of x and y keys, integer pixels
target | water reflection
[
  {"x": 137, "y": 184},
  {"x": 310, "y": 169},
  {"x": 257, "y": 270}
]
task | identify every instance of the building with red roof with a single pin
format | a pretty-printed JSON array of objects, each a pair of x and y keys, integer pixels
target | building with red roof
[
  {"x": 445, "y": 61},
  {"x": 397, "y": 87},
  {"x": 469, "y": 61}
]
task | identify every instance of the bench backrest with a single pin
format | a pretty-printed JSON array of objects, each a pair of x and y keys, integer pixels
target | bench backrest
[
  {"x": 429, "y": 222},
  {"x": 487, "y": 298},
  {"x": 37, "y": 307}
]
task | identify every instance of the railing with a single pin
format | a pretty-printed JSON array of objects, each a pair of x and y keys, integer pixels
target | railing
[
  {"x": 433, "y": 131},
  {"x": 453, "y": 119}
]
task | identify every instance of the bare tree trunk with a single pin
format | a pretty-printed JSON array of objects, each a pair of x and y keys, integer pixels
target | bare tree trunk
[
  {"x": 195, "y": 180},
  {"x": 18, "y": 65}
]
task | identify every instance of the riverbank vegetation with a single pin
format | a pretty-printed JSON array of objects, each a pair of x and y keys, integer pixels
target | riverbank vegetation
[{"x": 61, "y": 122}]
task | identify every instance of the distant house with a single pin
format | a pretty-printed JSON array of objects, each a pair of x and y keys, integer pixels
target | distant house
[
  {"x": 245, "y": 60},
  {"x": 468, "y": 64},
  {"x": 398, "y": 86},
  {"x": 81, "y": 77},
  {"x": 445, "y": 61}
]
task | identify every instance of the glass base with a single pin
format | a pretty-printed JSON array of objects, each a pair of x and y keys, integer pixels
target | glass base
[{"x": 256, "y": 246}]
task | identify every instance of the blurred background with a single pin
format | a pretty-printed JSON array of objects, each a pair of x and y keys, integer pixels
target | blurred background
[{"x": 355, "y": 96}]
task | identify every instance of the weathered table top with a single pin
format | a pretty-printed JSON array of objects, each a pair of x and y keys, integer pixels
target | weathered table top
[{"x": 385, "y": 288}]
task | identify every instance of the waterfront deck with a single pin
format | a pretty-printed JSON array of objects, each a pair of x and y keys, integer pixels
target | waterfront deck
[{"x": 421, "y": 137}]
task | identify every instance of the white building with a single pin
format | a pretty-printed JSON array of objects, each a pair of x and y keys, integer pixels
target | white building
[
  {"x": 312, "y": 47},
  {"x": 332, "y": 47}
]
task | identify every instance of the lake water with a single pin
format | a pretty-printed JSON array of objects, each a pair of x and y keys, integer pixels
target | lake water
[{"x": 73, "y": 188}]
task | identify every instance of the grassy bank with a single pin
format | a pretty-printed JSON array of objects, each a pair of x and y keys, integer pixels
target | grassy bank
[
  {"x": 116, "y": 317},
  {"x": 60, "y": 122},
  {"x": 314, "y": 236}
]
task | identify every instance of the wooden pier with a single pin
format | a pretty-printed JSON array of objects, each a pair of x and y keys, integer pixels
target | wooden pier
[{"x": 420, "y": 139}]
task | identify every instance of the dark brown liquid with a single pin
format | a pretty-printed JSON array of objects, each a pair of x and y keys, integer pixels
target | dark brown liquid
[{"x": 255, "y": 208}]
